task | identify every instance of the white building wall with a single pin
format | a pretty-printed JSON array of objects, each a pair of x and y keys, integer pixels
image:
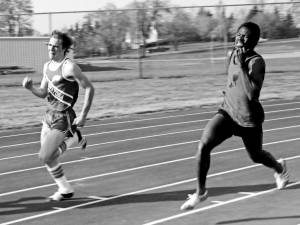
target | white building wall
[{"x": 29, "y": 52}]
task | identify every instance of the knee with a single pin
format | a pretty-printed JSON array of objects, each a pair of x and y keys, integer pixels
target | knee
[
  {"x": 255, "y": 158},
  {"x": 44, "y": 157},
  {"x": 203, "y": 151}
]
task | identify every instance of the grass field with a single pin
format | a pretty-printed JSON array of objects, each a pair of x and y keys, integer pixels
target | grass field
[{"x": 191, "y": 77}]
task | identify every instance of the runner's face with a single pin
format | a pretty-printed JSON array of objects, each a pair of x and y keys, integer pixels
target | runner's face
[
  {"x": 243, "y": 38},
  {"x": 55, "y": 50}
]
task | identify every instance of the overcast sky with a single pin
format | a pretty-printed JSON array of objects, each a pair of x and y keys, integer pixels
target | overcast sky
[
  {"x": 75, "y": 5},
  {"x": 41, "y": 22}
]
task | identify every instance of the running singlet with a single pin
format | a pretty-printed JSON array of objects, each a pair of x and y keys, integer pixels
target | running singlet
[
  {"x": 246, "y": 112},
  {"x": 62, "y": 92}
]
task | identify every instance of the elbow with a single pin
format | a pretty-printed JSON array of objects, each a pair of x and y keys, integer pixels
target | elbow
[
  {"x": 43, "y": 95},
  {"x": 252, "y": 96},
  {"x": 91, "y": 90}
]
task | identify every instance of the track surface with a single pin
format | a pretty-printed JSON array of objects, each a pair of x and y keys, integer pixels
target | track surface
[{"x": 139, "y": 170}]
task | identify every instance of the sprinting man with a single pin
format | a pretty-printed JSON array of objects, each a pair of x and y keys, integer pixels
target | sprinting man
[
  {"x": 240, "y": 114},
  {"x": 60, "y": 85}
]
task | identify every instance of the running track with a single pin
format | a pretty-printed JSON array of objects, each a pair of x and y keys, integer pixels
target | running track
[{"x": 139, "y": 170}]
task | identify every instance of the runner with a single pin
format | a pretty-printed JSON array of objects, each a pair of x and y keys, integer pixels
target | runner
[
  {"x": 240, "y": 114},
  {"x": 60, "y": 85}
]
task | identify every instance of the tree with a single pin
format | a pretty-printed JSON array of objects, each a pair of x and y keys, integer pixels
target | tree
[
  {"x": 205, "y": 24},
  {"x": 149, "y": 13},
  {"x": 16, "y": 17},
  {"x": 179, "y": 28},
  {"x": 111, "y": 28},
  {"x": 287, "y": 27},
  {"x": 252, "y": 13}
]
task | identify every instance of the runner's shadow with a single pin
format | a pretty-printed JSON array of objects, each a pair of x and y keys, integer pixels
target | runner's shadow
[
  {"x": 245, "y": 220},
  {"x": 180, "y": 195},
  {"x": 35, "y": 204},
  {"x": 40, "y": 204}
]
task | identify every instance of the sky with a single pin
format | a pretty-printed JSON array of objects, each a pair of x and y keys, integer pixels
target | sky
[
  {"x": 41, "y": 22},
  {"x": 73, "y": 5}
]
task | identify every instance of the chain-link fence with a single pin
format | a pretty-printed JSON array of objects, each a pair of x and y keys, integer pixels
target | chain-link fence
[
  {"x": 147, "y": 41},
  {"x": 178, "y": 51}
]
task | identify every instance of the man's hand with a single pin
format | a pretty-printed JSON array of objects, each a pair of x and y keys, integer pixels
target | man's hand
[
  {"x": 27, "y": 83},
  {"x": 79, "y": 121},
  {"x": 240, "y": 56}
]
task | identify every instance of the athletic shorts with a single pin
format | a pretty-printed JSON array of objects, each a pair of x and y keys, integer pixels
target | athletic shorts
[
  {"x": 240, "y": 131},
  {"x": 61, "y": 121},
  {"x": 222, "y": 127}
]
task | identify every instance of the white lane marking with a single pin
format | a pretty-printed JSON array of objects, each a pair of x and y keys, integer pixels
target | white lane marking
[
  {"x": 179, "y": 123},
  {"x": 101, "y": 175},
  {"x": 153, "y": 118},
  {"x": 216, "y": 202},
  {"x": 135, "y": 168},
  {"x": 57, "y": 208},
  {"x": 97, "y": 197},
  {"x": 180, "y": 215},
  {"x": 34, "y": 154},
  {"x": 246, "y": 193},
  {"x": 154, "y": 148},
  {"x": 143, "y": 191},
  {"x": 15, "y": 145},
  {"x": 12, "y": 157},
  {"x": 99, "y": 133},
  {"x": 18, "y": 156}
]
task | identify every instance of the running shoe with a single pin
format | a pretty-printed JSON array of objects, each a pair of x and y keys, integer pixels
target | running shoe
[
  {"x": 57, "y": 196},
  {"x": 193, "y": 200},
  {"x": 282, "y": 179}
]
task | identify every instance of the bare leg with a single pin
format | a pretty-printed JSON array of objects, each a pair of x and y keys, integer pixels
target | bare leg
[
  {"x": 216, "y": 131},
  {"x": 51, "y": 139}
]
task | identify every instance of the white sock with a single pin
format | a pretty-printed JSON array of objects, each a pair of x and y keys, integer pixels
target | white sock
[
  {"x": 57, "y": 174},
  {"x": 63, "y": 185}
]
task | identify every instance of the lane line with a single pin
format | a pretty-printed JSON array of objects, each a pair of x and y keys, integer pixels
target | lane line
[
  {"x": 149, "y": 149},
  {"x": 234, "y": 200},
  {"x": 246, "y": 193},
  {"x": 18, "y": 156},
  {"x": 136, "y": 168},
  {"x": 147, "y": 119},
  {"x": 108, "y": 132},
  {"x": 97, "y": 197},
  {"x": 33, "y": 154},
  {"x": 216, "y": 202},
  {"x": 152, "y": 189}
]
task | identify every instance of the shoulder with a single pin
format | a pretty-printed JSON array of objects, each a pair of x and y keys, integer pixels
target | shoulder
[
  {"x": 70, "y": 68},
  {"x": 256, "y": 60},
  {"x": 68, "y": 64},
  {"x": 45, "y": 67}
]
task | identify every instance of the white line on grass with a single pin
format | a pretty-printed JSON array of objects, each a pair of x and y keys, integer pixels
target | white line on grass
[
  {"x": 152, "y": 189},
  {"x": 149, "y": 149}
]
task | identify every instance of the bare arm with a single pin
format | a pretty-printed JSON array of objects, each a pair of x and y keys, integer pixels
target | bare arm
[
  {"x": 41, "y": 91},
  {"x": 74, "y": 71},
  {"x": 252, "y": 75}
]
